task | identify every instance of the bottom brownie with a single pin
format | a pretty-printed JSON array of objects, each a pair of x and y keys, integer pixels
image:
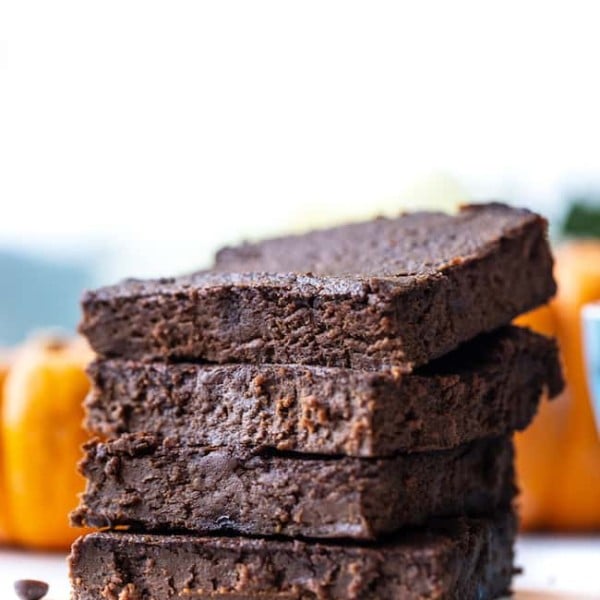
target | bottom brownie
[{"x": 453, "y": 558}]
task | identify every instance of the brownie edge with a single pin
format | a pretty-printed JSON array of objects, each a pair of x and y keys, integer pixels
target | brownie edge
[
  {"x": 426, "y": 283},
  {"x": 156, "y": 486},
  {"x": 488, "y": 387},
  {"x": 452, "y": 559}
]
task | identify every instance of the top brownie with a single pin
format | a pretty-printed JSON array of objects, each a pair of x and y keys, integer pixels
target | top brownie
[{"x": 384, "y": 293}]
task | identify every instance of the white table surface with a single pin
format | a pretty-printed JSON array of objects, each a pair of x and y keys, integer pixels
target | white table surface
[{"x": 555, "y": 567}]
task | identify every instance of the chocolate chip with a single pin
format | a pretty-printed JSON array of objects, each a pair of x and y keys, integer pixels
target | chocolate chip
[{"x": 29, "y": 589}]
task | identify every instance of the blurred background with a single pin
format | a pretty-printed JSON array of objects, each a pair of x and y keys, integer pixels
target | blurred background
[{"x": 136, "y": 138}]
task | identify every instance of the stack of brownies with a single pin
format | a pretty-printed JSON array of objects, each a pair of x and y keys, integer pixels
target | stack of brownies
[{"x": 318, "y": 416}]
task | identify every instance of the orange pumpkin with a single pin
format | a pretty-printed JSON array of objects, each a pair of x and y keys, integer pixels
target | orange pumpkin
[
  {"x": 558, "y": 457},
  {"x": 538, "y": 448},
  {"x": 42, "y": 433},
  {"x": 576, "y": 502},
  {"x": 3, "y": 512}
]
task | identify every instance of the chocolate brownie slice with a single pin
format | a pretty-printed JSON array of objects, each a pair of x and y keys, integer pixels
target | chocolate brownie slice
[
  {"x": 488, "y": 387},
  {"x": 389, "y": 292},
  {"x": 149, "y": 485},
  {"x": 458, "y": 559}
]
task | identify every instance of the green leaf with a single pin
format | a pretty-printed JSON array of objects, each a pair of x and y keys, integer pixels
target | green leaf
[{"x": 583, "y": 219}]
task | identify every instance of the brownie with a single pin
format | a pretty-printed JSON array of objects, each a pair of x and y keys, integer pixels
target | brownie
[
  {"x": 158, "y": 485},
  {"x": 462, "y": 559},
  {"x": 389, "y": 292},
  {"x": 488, "y": 387}
]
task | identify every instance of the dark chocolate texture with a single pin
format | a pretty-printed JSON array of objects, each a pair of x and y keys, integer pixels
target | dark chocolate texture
[
  {"x": 488, "y": 387},
  {"x": 147, "y": 484},
  {"x": 385, "y": 293},
  {"x": 462, "y": 559}
]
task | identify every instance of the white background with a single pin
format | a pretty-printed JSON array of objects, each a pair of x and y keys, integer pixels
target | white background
[{"x": 159, "y": 130}]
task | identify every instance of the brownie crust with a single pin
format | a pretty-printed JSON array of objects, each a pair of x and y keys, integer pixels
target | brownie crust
[
  {"x": 462, "y": 559},
  {"x": 489, "y": 387},
  {"x": 386, "y": 293},
  {"x": 151, "y": 485}
]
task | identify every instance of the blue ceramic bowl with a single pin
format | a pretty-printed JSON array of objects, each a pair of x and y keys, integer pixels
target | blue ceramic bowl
[{"x": 591, "y": 338}]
